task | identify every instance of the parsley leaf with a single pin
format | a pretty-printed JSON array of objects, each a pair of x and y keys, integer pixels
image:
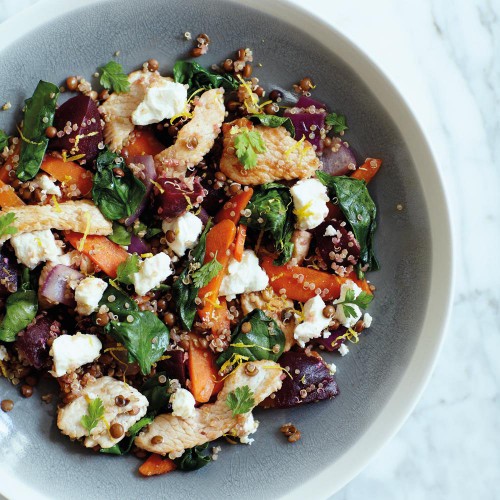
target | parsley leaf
[
  {"x": 5, "y": 224},
  {"x": 247, "y": 144},
  {"x": 95, "y": 412},
  {"x": 4, "y": 140},
  {"x": 120, "y": 235},
  {"x": 127, "y": 269},
  {"x": 240, "y": 400},
  {"x": 113, "y": 77},
  {"x": 338, "y": 122},
  {"x": 362, "y": 301},
  {"x": 274, "y": 121},
  {"x": 206, "y": 273}
]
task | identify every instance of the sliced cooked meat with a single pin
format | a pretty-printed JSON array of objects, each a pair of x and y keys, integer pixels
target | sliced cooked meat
[
  {"x": 107, "y": 389},
  {"x": 284, "y": 158},
  {"x": 211, "y": 421},
  {"x": 196, "y": 138}
]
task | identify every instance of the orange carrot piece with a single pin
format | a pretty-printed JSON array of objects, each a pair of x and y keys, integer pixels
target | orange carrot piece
[
  {"x": 9, "y": 164},
  {"x": 239, "y": 242},
  {"x": 219, "y": 239},
  {"x": 232, "y": 208},
  {"x": 203, "y": 372},
  {"x": 68, "y": 172},
  {"x": 368, "y": 170},
  {"x": 144, "y": 142},
  {"x": 8, "y": 197},
  {"x": 101, "y": 251},
  {"x": 156, "y": 465},
  {"x": 220, "y": 320},
  {"x": 293, "y": 279}
]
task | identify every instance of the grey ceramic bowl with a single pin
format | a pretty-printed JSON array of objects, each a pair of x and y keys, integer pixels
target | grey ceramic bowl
[{"x": 383, "y": 375}]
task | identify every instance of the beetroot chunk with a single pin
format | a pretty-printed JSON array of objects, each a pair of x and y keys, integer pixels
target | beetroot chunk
[
  {"x": 33, "y": 343},
  {"x": 173, "y": 197},
  {"x": 330, "y": 343},
  {"x": 337, "y": 246},
  {"x": 311, "y": 381},
  {"x": 308, "y": 123},
  {"x": 8, "y": 275},
  {"x": 80, "y": 117}
]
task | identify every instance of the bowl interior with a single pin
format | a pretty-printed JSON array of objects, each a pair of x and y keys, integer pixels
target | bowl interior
[{"x": 77, "y": 43}]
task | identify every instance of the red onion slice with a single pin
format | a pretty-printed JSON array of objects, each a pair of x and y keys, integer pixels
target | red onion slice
[{"x": 56, "y": 287}]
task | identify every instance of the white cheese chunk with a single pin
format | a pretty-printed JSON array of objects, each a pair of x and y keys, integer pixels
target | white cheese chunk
[
  {"x": 46, "y": 184},
  {"x": 4, "y": 355},
  {"x": 163, "y": 99},
  {"x": 330, "y": 231},
  {"x": 153, "y": 271},
  {"x": 348, "y": 320},
  {"x": 243, "y": 277},
  {"x": 88, "y": 293},
  {"x": 187, "y": 229},
  {"x": 343, "y": 350},
  {"x": 183, "y": 403},
  {"x": 367, "y": 320},
  {"x": 250, "y": 426},
  {"x": 309, "y": 199},
  {"x": 69, "y": 352},
  {"x": 35, "y": 247},
  {"x": 314, "y": 321}
]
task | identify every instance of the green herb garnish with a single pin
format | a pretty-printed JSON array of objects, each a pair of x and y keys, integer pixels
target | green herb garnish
[
  {"x": 198, "y": 77},
  {"x": 240, "y": 400},
  {"x": 4, "y": 140},
  {"x": 120, "y": 235},
  {"x": 362, "y": 301},
  {"x": 95, "y": 411},
  {"x": 126, "y": 269},
  {"x": 113, "y": 78},
  {"x": 338, "y": 122},
  {"x": 248, "y": 143},
  {"x": 5, "y": 224},
  {"x": 275, "y": 121},
  {"x": 206, "y": 273}
]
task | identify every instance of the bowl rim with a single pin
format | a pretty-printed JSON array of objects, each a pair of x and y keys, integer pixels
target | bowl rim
[{"x": 423, "y": 359}]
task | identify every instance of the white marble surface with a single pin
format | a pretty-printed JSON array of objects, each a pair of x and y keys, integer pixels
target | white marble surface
[{"x": 444, "y": 58}]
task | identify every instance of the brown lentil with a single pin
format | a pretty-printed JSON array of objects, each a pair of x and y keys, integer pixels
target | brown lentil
[
  {"x": 161, "y": 305},
  {"x": 27, "y": 391},
  {"x": 119, "y": 172},
  {"x": 234, "y": 189},
  {"x": 271, "y": 108},
  {"x": 294, "y": 437},
  {"x": 220, "y": 176},
  {"x": 50, "y": 132},
  {"x": 276, "y": 95},
  {"x": 71, "y": 82},
  {"x": 170, "y": 235},
  {"x": 203, "y": 39},
  {"x": 246, "y": 327},
  {"x": 228, "y": 65},
  {"x": 306, "y": 84},
  {"x": 197, "y": 52},
  {"x": 153, "y": 64},
  {"x": 116, "y": 431},
  {"x": 157, "y": 440},
  {"x": 247, "y": 71},
  {"x": 121, "y": 401},
  {"x": 328, "y": 311},
  {"x": 233, "y": 105},
  {"x": 288, "y": 429},
  {"x": 103, "y": 95},
  {"x": 169, "y": 319},
  {"x": 259, "y": 91},
  {"x": 191, "y": 142},
  {"x": 327, "y": 142},
  {"x": 251, "y": 370},
  {"x": 102, "y": 319},
  {"x": 7, "y": 405},
  {"x": 241, "y": 54}
]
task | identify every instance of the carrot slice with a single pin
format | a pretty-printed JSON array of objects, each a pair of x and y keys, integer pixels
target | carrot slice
[
  {"x": 219, "y": 239},
  {"x": 239, "y": 242},
  {"x": 220, "y": 319},
  {"x": 9, "y": 164},
  {"x": 143, "y": 142},
  {"x": 368, "y": 170},
  {"x": 203, "y": 372},
  {"x": 300, "y": 283},
  {"x": 156, "y": 465},
  {"x": 232, "y": 208},
  {"x": 8, "y": 197},
  {"x": 68, "y": 172},
  {"x": 101, "y": 251}
]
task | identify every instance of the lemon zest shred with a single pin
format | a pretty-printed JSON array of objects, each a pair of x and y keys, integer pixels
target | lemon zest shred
[
  {"x": 163, "y": 358},
  {"x": 39, "y": 242},
  {"x": 295, "y": 146},
  {"x": 305, "y": 211},
  {"x": 157, "y": 185},
  {"x": 349, "y": 335},
  {"x": 81, "y": 243},
  {"x": 57, "y": 208},
  {"x": 201, "y": 89},
  {"x": 188, "y": 201},
  {"x": 25, "y": 139},
  {"x": 277, "y": 276},
  {"x": 74, "y": 157},
  {"x": 215, "y": 302},
  {"x": 235, "y": 359},
  {"x": 146, "y": 255},
  {"x": 241, "y": 344}
]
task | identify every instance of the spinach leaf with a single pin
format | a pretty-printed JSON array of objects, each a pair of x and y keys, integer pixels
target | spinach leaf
[
  {"x": 258, "y": 343},
  {"x": 193, "y": 458},
  {"x": 197, "y": 77},
  {"x": 20, "y": 310},
  {"x": 157, "y": 394},
  {"x": 120, "y": 304},
  {"x": 359, "y": 209},
  {"x": 272, "y": 204},
  {"x": 126, "y": 269},
  {"x": 184, "y": 290},
  {"x": 145, "y": 337},
  {"x": 120, "y": 235},
  {"x": 125, "y": 445},
  {"x": 274, "y": 121},
  {"x": 116, "y": 196},
  {"x": 4, "y": 140},
  {"x": 5, "y": 224},
  {"x": 38, "y": 115}
]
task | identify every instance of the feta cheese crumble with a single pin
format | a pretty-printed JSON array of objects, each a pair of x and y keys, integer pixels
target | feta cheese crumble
[
  {"x": 35, "y": 247},
  {"x": 46, "y": 184},
  {"x": 367, "y": 320},
  {"x": 152, "y": 272},
  {"x": 187, "y": 229},
  {"x": 350, "y": 321},
  {"x": 4, "y": 355},
  {"x": 163, "y": 99},
  {"x": 309, "y": 199},
  {"x": 314, "y": 321},
  {"x": 88, "y": 293},
  {"x": 330, "y": 231},
  {"x": 69, "y": 352},
  {"x": 250, "y": 426},
  {"x": 183, "y": 403},
  {"x": 243, "y": 277},
  {"x": 343, "y": 350}
]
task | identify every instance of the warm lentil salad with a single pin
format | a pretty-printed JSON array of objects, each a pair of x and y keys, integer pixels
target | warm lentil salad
[{"x": 177, "y": 250}]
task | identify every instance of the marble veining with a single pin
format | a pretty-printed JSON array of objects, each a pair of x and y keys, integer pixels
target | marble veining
[{"x": 444, "y": 60}]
